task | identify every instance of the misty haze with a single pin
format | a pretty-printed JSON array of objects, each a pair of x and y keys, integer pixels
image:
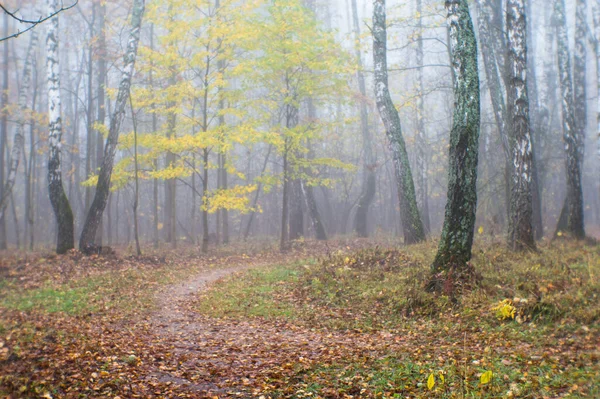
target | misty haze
[{"x": 299, "y": 199}]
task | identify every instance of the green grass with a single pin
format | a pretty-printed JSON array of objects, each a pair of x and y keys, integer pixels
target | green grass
[
  {"x": 546, "y": 350},
  {"x": 126, "y": 291},
  {"x": 252, "y": 295}
]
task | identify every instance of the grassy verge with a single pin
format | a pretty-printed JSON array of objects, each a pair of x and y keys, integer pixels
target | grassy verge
[{"x": 532, "y": 324}]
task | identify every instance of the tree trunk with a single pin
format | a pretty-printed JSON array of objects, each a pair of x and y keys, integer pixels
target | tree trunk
[
  {"x": 60, "y": 204},
  {"x": 409, "y": 211},
  {"x": 368, "y": 190},
  {"x": 154, "y": 129},
  {"x": 4, "y": 127},
  {"x": 19, "y": 137},
  {"x": 171, "y": 184},
  {"x": 421, "y": 137},
  {"x": 535, "y": 126},
  {"x": 315, "y": 216},
  {"x": 137, "y": 187},
  {"x": 29, "y": 197},
  {"x": 257, "y": 194},
  {"x": 224, "y": 212},
  {"x": 205, "y": 229},
  {"x": 520, "y": 225},
  {"x": 88, "y": 235},
  {"x": 573, "y": 208},
  {"x": 284, "y": 234},
  {"x": 459, "y": 222},
  {"x": 101, "y": 54},
  {"x": 296, "y": 210},
  {"x": 596, "y": 10},
  {"x": 89, "y": 148}
]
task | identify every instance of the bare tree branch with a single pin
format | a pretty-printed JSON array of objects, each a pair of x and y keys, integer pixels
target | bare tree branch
[{"x": 32, "y": 22}]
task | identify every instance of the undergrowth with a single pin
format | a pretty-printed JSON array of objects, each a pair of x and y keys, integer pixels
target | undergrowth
[{"x": 531, "y": 323}]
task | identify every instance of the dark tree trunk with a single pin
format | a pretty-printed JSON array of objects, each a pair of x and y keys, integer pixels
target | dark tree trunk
[
  {"x": 205, "y": 230},
  {"x": 257, "y": 195},
  {"x": 459, "y": 223},
  {"x": 89, "y": 147},
  {"x": 368, "y": 190},
  {"x": 573, "y": 207},
  {"x": 409, "y": 211},
  {"x": 315, "y": 216},
  {"x": 4, "y": 128},
  {"x": 101, "y": 90},
  {"x": 296, "y": 210},
  {"x": 154, "y": 129},
  {"x": 92, "y": 221},
  {"x": 284, "y": 234},
  {"x": 535, "y": 127}
]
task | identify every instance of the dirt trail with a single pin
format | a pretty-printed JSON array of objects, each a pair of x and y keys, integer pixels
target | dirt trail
[
  {"x": 171, "y": 311},
  {"x": 203, "y": 357}
]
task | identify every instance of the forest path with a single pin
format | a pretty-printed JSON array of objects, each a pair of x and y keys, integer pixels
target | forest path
[{"x": 202, "y": 357}]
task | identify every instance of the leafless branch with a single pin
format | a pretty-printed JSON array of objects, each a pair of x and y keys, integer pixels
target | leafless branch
[{"x": 32, "y": 22}]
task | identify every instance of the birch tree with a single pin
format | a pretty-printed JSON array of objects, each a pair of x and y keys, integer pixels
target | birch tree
[
  {"x": 19, "y": 137},
  {"x": 60, "y": 204},
  {"x": 596, "y": 10},
  {"x": 94, "y": 216},
  {"x": 368, "y": 190},
  {"x": 421, "y": 140},
  {"x": 520, "y": 234},
  {"x": 450, "y": 264},
  {"x": 571, "y": 219},
  {"x": 409, "y": 211}
]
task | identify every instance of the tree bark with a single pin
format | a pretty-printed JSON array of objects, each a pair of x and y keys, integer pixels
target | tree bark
[
  {"x": 596, "y": 11},
  {"x": 101, "y": 54},
  {"x": 137, "y": 187},
  {"x": 573, "y": 221},
  {"x": 459, "y": 223},
  {"x": 4, "y": 127},
  {"x": 535, "y": 126},
  {"x": 257, "y": 194},
  {"x": 421, "y": 138},
  {"x": 19, "y": 137},
  {"x": 154, "y": 129},
  {"x": 88, "y": 235},
  {"x": 60, "y": 204},
  {"x": 409, "y": 211},
  {"x": 205, "y": 229},
  {"x": 89, "y": 148},
  {"x": 368, "y": 191},
  {"x": 284, "y": 234},
  {"x": 520, "y": 225},
  {"x": 29, "y": 194}
]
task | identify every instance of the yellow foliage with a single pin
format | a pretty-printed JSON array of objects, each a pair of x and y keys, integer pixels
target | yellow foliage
[
  {"x": 505, "y": 310},
  {"x": 235, "y": 198}
]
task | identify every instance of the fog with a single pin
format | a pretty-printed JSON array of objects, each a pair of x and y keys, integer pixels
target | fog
[{"x": 246, "y": 120}]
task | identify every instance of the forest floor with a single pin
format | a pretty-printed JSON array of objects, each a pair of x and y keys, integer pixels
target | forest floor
[{"x": 347, "y": 319}]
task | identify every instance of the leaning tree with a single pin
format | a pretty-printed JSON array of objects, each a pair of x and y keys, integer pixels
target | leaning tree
[
  {"x": 94, "y": 216},
  {"x": 409, "y": 211}
]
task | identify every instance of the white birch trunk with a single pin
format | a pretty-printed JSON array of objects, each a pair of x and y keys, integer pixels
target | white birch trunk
[
  {"x": 521, "y": 206},
  {"x": 596, "y": 11},
  {"x": 58, "y": 198},
  {"x": 19, "y": 137}
]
